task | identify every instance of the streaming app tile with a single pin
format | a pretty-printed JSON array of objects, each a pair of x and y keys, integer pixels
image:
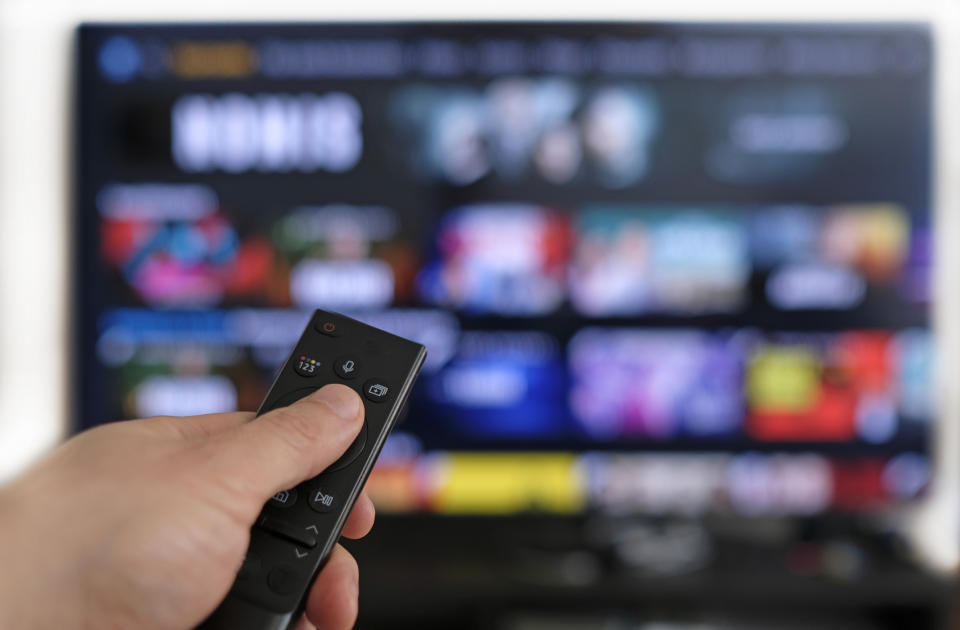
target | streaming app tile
[
  {"x": 779, "y": 484},
  {"x": 655, "y": 384},
  {"x": 831, "y": 257},
  {"x": 505, "y": 483},
  {"x": 914, "y": 352},
  {"x": 502, "y": 385},
  {"x": 634, "y": 260},
  {"x": 655, "y": 483},
  {"x": 827, "y": 387},
  {"x": 506, "y": 259}
]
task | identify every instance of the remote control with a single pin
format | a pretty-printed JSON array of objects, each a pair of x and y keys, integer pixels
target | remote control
[{"x": 298, "y": 528}]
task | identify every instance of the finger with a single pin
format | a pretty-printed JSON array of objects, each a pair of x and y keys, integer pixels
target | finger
[
  {"x": 304, "y": 624},
  {"x": 332, "y": 602},
  {"x": 192, "y": 427},
  {"x": 361, "y": 518},
  {"x": 287, "y": 445}
]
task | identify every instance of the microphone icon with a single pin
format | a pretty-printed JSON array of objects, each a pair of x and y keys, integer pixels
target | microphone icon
[{"x": 346, "y": 367}]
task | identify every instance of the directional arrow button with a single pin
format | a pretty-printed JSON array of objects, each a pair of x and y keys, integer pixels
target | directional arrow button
[
  {"x": 313, "y": 528},
  {"x": 300, "y": 554},
  {"x": 288, "y": 530}
]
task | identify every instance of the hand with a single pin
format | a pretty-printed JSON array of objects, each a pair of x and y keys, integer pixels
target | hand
[{"x": 144, "y": 524}]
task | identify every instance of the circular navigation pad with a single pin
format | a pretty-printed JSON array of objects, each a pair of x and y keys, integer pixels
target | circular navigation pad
[{"x": 352, "y": 452}]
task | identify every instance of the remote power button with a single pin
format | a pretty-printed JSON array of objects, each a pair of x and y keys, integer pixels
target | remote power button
[{"x": 328, "y": 328}]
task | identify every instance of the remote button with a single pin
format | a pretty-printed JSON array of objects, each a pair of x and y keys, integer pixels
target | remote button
[
  {"x": 285, "y": 529},
  {"x": 284, "y": 580},
  {"x": 353, "y": 451},
  {"x": 376, "y": 390},
  {"x": 284, "y": 498},
  {"x": 305, "y": 366},
  {"x": 320, "y": 501},
  {"x": 327, "y": 327},
  {"x": 250, "y": 567},
  {"x": 346, "y": 367}
]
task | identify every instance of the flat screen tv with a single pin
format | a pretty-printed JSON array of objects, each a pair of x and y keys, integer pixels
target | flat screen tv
[{"x": 659, "y": 268}]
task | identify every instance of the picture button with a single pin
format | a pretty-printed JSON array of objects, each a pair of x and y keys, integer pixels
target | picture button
[
  {"x": 346, "y": 367},
  {"x": 321, "y": 500},
  {"x": 284, "y": 580},
  {"x": 306, "y": 366},
  {"x": 327, "y": 327},
  {"x": 284, "y": 498},
  {"x": 376, "y": 390}
]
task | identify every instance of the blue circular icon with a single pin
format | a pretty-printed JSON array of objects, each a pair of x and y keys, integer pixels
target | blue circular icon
[{"x": 120, "y": 59}]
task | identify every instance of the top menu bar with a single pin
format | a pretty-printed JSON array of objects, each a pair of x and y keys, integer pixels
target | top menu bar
[{"x": 452, "y": 51}]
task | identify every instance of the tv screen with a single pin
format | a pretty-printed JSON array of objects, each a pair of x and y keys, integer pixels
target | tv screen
[{"x": 659, "y": 268}]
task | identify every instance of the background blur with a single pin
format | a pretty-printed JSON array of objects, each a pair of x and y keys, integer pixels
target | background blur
[{"x": 685, "y": 277}]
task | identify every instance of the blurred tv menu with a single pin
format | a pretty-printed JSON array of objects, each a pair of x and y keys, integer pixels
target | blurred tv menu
[{"x": 658, "y": 268}]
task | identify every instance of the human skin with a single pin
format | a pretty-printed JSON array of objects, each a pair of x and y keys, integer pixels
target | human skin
[{"x": 144, "y": 524}]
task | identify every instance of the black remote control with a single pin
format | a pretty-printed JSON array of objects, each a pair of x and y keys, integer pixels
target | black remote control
[{"x": 298, "y": 528}]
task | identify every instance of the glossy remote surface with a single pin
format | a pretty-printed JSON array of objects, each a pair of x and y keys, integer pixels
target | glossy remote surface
[{"x": 298, "y": 528}]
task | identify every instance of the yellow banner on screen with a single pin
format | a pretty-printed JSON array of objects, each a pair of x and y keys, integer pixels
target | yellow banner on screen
[{"x": 482, "y": 483}]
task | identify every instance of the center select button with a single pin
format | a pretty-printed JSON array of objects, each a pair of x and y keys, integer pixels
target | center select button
[{"x": 346, "y": 367}]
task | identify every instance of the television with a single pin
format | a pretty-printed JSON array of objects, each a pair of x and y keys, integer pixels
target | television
[{"x": 659, "y": 268}]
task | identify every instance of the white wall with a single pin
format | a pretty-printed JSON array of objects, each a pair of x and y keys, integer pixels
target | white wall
[{"x": 35, "y": 41}]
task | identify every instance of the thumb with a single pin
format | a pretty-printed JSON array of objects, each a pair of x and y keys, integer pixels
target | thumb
[{"x": 285, "y": 446}]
